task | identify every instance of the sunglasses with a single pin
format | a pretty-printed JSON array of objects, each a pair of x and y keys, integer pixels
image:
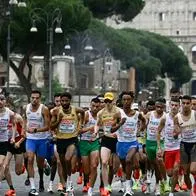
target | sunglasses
[{"x": 107, "y": 101}]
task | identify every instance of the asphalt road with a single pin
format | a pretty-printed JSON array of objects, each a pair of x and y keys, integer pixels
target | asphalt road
[{"x": 22, "y": 190}]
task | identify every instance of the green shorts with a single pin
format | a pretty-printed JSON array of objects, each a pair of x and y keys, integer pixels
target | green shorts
[
  {"x": 87, "y": 147},
  {"x": 151, "y": 149}
]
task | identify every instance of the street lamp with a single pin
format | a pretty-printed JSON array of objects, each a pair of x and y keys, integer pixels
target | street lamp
[
  {"x": 50, "y": 19},
  {"x": 9, "y": 14},
  {"x": 85, "y": 46},
  {"x": 107, "y": 61}
]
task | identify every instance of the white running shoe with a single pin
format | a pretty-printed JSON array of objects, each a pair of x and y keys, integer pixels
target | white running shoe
[
  {"x": 50, "y": 187},
  {"x": 90, "y": 192},
  {"x": 69, "y": 187},
  {"x": 157, "y": 191},
  {"x": 171, "y": 194},
  {"x": 128, "y": 192}
]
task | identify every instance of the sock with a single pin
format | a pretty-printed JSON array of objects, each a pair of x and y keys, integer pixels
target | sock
[
  {"x": 90, "y": 190},
  {"x": 11, "y": 187},
  {"x": 32, "y": 182},
  {"x": 128, "y": 184},
  {"x": 68, "y": 178}
]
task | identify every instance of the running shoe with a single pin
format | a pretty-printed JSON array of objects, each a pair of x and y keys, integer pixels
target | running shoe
[
  {"x": 109, "y": 188},
  {"x": 128, "y": 192},
  {"x": 10, "y": 193},
  {"x": 167, "y": 188},
  {"x": 85, "y": 189},
  {"x": 50, "y": 187},
  {"x": 27, "y": 182},
  {"x": 162, "y": 188},
  {"x": 136, "y": 185},
  {"x": 177, "y": 188},
  {"x": 47, "y": 169},
  {"x": 184, "y": 187},
  {"x": 79, "y": 180},
  {"x": 90, "y": 192},
  {"x": 122, "y": 187},
  {"x": 70, "y": 187},
  {"x": 105, "y": 192},
  {"x": 157, "y": 190},
  {"x": 59, "y": 187},
  {"x": 171, "y": 194},
  {"x": 101, "y": 189},
  {"x": 33, "y": 192},
  {"x": 41, "y": 186}
]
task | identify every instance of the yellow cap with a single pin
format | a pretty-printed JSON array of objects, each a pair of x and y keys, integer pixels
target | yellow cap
[{"x": 109, "y": 96}]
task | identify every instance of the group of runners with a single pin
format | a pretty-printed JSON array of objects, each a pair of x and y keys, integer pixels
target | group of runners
[{"x": 134, "y": 144}]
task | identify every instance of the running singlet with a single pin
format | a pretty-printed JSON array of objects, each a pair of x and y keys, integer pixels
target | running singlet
[
  {"x": 170, "y": 143},
  {"x": 35, "y": 120},
  {"x": 87, "y": 136},
  {"x": 68, "y": 127},
  {"x": 107, "y": 119},
  {"x": 188, "y": 128},
  {"x": 152, "y": 127},
  {"x": 128, "y": 131},
  {"x": 4, "y": 121}
]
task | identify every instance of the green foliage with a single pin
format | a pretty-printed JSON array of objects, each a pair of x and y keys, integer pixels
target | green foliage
[
  {"x": 128, "y": 9},
  {"x": 149, "y": 53},
  {"x": 74, "y": 15},
  {"x": 56, "y": 86}
]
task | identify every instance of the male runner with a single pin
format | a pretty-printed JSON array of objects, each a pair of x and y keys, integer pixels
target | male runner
[
  {"x": 17, "y": 149},
  {"x": 185, "y": 124},
  {"x": 153, "y": 119},
  {"x": 89, "y": 145},
  {"x": 37, "y": 126},
  {"x": 127, "y": 144},
  {"x": 56, "y": 163},
  {"x": 109, "y": 119},
  {"x": 67, "y": 119},
  {"x": 171, "y": 145},
  {"x": 6, "y": 116}
]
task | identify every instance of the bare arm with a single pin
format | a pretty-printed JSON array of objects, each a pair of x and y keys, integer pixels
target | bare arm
[
  {"x": 82, "y": 115},
  {"x": 12, "y": 120},
  {"x": 55, "y": 118},
  {"x": 118, "y": 122},
  {"x": 99, "y": 122},
  {"x": 143, "y": 122},
  {"x": 46, "y": 116},
  {"x": 159, "y": 130},
  {"x": 177, "y": 129},
  {"x": 19, "y": 119}
]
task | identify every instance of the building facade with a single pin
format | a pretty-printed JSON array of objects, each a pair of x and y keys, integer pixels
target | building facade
[{"x": 175, "y": 19}]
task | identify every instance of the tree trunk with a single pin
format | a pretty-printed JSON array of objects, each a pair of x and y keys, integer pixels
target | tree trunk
[{"x": 24, "y": 78}]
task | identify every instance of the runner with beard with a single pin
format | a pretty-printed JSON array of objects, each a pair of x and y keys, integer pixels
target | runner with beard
[{"x": 67, "y": 120}]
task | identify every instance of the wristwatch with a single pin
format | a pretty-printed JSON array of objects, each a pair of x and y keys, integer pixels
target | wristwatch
[{"x": 35, "y": 130}]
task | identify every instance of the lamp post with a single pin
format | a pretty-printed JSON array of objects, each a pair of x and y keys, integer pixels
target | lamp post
[
  {"x": 50, "y": 19},
  {"x": 81, "y": 60},
  {"x": 107, "y": 61},
  {"x": 9, "y": 14}
]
